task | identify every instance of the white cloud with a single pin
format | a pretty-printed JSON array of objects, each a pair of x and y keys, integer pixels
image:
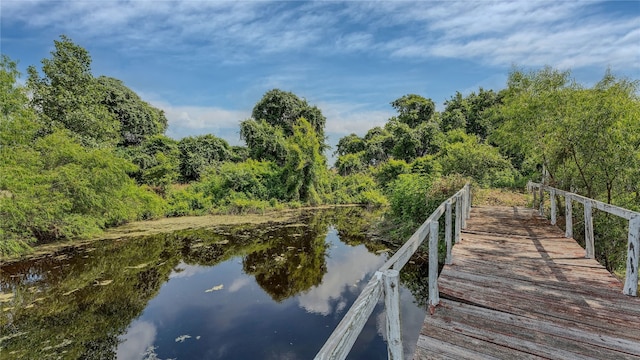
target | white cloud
[
  {"x": 345, "y": 118},
  {"x": 195, "y": 120},
  {"x": 531, "y": 33},
  {"x": 139, "y": 337},
  {"x": 345, "y": 272}
]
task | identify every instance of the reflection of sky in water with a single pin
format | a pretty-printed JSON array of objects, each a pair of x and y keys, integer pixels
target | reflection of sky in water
[{"x": 241, "y": 321}]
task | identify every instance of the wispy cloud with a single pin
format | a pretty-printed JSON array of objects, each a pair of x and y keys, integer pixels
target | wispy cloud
[{"x": 533, "y": 33}]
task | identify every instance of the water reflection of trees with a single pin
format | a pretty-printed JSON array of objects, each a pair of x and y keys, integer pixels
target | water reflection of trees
[{"x": 76, "y": 303}]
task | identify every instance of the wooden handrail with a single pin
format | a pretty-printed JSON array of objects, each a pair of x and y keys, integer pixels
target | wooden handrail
[
  {"x": 633, "y": 243},
  {"x": 386, "y": 281}
]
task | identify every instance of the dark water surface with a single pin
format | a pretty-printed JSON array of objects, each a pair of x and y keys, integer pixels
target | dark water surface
[{"x": 271, "y": 291}]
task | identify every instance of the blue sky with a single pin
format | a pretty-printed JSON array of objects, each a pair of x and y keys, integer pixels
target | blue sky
[{"x": 206, "y": 63}]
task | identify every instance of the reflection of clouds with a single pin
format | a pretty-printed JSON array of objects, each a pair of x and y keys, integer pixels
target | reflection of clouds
[
  {"x": 136, "y": 341},
  {"x": 411, "y": 318},
  {"x": 239, "y": 283},
  {"x": 183, "y": 270},
  {"x": 346, "y": 267}
]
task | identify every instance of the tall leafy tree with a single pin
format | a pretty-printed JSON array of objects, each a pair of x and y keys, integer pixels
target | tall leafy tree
[
  {"x": 414, "y": 109},
  {"x": 471, "y": 113},
  {"x": 199, "y": 152},
  {"x": 282, "y": 109},
  {"x": 68, "y": 96},
  {"x": 138, "y": 119},
  {"x": 588, "y": 138}
]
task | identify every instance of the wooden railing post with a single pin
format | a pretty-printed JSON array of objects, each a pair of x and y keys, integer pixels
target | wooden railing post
[
  {"x": 568, "y": 214},
  {"x": 535, "y": 197},
  {"x": 463, "y": 218},
  {"x": 468, "y": 201},
  {"x": 633, "y": 253},
  {"x": 541, "y": 210},
  {"x": 392, "y": 307},
  {"x": 552, "y": 195},
  {"x": 447, "y": 232},
  {"x": 458, "y": 225},
  {"x": 434, "y": 296},
  {"x": 588, "y": 230}
]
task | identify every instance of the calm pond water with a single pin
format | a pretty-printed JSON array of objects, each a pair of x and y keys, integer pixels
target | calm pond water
[{"x": 271, "y": 291}]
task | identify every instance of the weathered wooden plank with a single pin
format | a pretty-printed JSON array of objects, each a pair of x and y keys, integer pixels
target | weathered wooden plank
[
  {"x": 447, "y": 232},
  {"x": 588, "y": 231},
  {"x": 392, "y": 308},
  {"x": 434, "y": 297},
  {"x": 552, "y": 196},
  {"x": 592, "y": 298},
  {"x": 633, "y": 253},
  {"x": 515, "y": 331},
  {"x": 446, "y": 344},
  {"x": 458, "y": 226},
  {"x": 568, "y": 211}
]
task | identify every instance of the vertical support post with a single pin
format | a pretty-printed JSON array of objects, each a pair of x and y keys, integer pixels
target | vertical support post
[
  {"x": 434, "y": 296},
  {"x": 392, "y": 307},
  {"x": 552, "y": 195},
  {"x": 535, "y": 197},
  {"x": 447, "y": 232},
  {"x": 541, "y": 210},
  {"x": 633, "y": 253},
  {"x": 470, "y": 199},
  {"x": 588, "y": 230},
  {"x": 568, "y": 213},
  {"x": 458, "y": 225},
  {"x": 463, "y": 217}
]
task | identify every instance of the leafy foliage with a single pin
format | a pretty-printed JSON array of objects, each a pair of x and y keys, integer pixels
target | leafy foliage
[
  {"x": 281, "y": 109},
  {"x": 68, "y": 96},
  {"x": 197, "y": 153},
  {"x": 138, "y": 120}
]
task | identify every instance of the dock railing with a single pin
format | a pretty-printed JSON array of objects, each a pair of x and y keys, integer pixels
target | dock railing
[
  {"x": 386, "y": 281},
  {"x": 633, "y": 243}
]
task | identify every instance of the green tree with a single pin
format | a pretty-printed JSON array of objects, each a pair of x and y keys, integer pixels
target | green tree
[
  {"x": 414, "y": 109},
  {"x": 305, "y": 171},
  {"x": 588, "y": 139},
  {"x": 282, "y": 109},
  {"x": 265, "y": 142},
  {"x": 465, "y": 155},
  {"x": 69, "y": 97},
  {"x": 138, "y": 120},
  {"x": 197, "y": 153},
  {"x": 471, "y": 113},
  {"x": 158, "y": 161},
  {"x": 350, "y": 144}
]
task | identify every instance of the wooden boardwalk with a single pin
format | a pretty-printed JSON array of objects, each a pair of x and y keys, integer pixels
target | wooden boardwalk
[{"x": 518, "y": 289}]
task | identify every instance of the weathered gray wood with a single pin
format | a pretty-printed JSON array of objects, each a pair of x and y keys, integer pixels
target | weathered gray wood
[
  {"x": 392, "y": 307},
  {"x": 535, "y": 195},
  {"x": 344, "y": 336},
  {"x": 633, "y": 253},
  {"x": 470, "y": 194},
  {"x": 611, "y": 209},
  {"x": 534, "y": 294},
  {"x": 568, "y": 214},
  {"x": 541, "y": 210},
  {"x": 463, "y": 197},
  {"x": 434, "y": 297},
  {"x": 588, "y": 231},
  {"x": 458, "y": 226},
  {"x": 552, "y": 196},
  {"x": 447, "y": 232}
]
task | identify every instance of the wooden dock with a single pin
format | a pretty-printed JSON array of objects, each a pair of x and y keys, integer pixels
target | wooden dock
[{"x": 518, "y": 289}]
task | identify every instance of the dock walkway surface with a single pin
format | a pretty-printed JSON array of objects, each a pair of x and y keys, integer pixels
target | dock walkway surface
[{"x": 518, "y": 289}]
